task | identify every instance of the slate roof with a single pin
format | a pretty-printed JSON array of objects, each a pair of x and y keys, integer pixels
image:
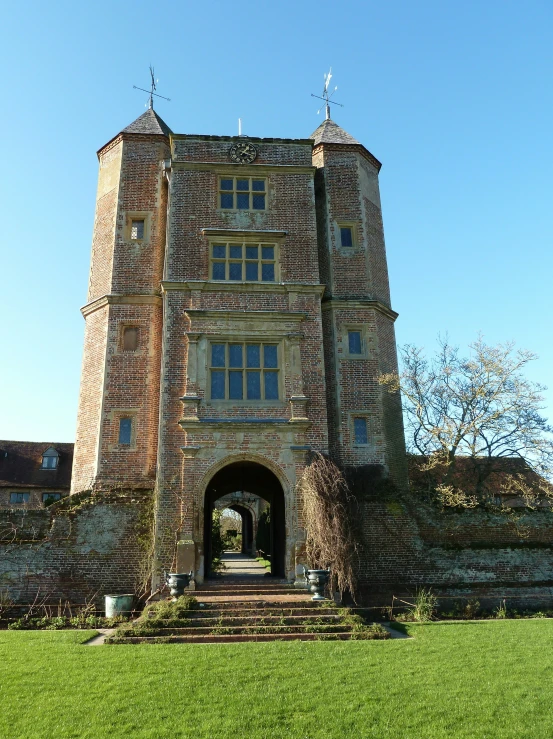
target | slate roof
[
  {"x": 20, "y": 465},
  {"x": 148, "y": 123},
  {"x": 331, "y": 133}
]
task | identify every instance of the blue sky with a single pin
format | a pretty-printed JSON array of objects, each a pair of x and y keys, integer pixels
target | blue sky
[{"x": 454, "y": 98}]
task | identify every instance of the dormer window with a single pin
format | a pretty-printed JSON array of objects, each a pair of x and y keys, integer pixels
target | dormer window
[{"x": 50, "y": 459}]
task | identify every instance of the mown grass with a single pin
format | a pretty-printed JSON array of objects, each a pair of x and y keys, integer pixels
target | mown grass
[{"x": 462, "y": 680}]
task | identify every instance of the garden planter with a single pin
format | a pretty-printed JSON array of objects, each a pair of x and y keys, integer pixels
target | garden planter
[
  {"x": 177, "y": 582},
  {"x": 316, "y": 582},
  {"x": 119, "y": 605}
]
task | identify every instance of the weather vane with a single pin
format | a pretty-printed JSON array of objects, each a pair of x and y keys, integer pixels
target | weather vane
[
  {"x": 326, "y": 95},
  {"x": 151, "y": 90}
]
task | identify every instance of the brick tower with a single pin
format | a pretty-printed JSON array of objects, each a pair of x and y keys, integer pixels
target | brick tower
[
  {"x": 365, "y": 425},
  {"x": 120, "y": 371},
  {"x": 238, "y": 317}
]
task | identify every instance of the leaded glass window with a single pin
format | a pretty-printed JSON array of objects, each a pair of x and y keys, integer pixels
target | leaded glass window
[
  {"x": 242, "y": 193},
  {"x": 244, "y": 371},
  {"x": 360, "y": 430},
  {"x": 244, "y": 262}
]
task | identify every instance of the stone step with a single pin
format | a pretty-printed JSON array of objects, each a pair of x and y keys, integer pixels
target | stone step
[
  {"x": 260, "y": 613},
  {"x": 275, "y": 601},
  {"x": 233, "y": 638},
  {"x": 265, "y": 580},
  {"x": 251, "y": 629},
  {"x": 231, "y": 589},
  {"x": 225, "y": 620}
]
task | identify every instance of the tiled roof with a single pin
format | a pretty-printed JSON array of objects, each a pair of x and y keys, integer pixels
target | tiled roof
[
  {"x": 148, "y": 123},
  {"x": 331, "y": 133},
  {"x": 20, "y": 465}
]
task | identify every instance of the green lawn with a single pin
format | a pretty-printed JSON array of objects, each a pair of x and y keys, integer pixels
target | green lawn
[{"x": 472, "y": 680}]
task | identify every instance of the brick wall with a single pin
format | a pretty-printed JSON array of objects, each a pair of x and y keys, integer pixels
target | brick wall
[
  {"x": 86, "y": 547},
  {"x": 124, "y": 292},
  {"x": 357, "y": 297},
  {"x": 408, "y": 544},
  {"x": 78, "y": 550}
]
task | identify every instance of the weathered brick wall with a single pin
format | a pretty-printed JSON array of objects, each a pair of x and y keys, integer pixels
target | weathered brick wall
[
  {"x": 357, "y": 297},
  {"x": 105, "y": 220},
  {"x": 124, "y": 292},
  {"x": 196, "y": 311},
  {"x": 90, "y": 400},
  {"x": 409, "y": 544},
  {"x": 131, "y": 390},
  {"x": 77, "y": 550}
]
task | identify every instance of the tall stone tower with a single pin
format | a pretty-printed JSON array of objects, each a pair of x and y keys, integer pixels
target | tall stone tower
[{"x": 238, "y": 318}]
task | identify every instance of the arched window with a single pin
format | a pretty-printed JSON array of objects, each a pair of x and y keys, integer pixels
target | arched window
[{"x": 50, "y": 459}]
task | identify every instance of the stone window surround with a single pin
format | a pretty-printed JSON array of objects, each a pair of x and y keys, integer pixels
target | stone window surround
[
  {"x": 115, "y": 416},
  {"x": 244, "y": 243},
  {"x": 137, "y": 215},
  {"x": 356, "y": 246},
  {"x": 243, "y": 341},
  {"x": 251, "y": 237},
  {"x": 351, "y": 423},
  {"x": 254, "y": 327},
  {"x": 245, "y": 176},
  {"x": 142, "y": 327},
  {"x": 367, "y": 346}
]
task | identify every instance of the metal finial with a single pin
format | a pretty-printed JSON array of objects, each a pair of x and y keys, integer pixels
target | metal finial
[
  {"x": 326, "y": 95},
  {"x": 153, "y": 86}
]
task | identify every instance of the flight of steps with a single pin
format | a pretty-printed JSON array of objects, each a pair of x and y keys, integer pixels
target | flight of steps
[{"x": 251, "y": 610}]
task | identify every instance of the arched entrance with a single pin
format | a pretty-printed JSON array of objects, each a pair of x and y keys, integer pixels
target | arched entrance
[
  {"x": 248, "y": 543},
  {"x": 257, "y": 480}
]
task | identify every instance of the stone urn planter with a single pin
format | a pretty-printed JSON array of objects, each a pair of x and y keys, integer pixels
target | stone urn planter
[
  {"x": 177, "y": 582},
  {"x": 316, "y": 582}
]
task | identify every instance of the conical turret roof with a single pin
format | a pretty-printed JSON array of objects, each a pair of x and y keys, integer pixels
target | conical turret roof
[
  {"x": 148, "y": 123},
  {"x": 331, "y": 133}
]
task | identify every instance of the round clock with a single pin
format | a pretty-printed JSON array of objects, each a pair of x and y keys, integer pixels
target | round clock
[{"x": 243, "y": 152}]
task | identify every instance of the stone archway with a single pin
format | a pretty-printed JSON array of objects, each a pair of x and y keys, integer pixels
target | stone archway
[
  {"x": 258, "y": 480},
  {"x": 247, "y": 528}
]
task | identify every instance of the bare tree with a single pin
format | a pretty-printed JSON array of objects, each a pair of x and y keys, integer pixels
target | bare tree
[
  {"x": 479, "y": 408},
  {"x": 329, "y": 522}
]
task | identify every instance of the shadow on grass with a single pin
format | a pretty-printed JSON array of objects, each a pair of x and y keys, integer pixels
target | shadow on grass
[{"x": 397, "y": 626}]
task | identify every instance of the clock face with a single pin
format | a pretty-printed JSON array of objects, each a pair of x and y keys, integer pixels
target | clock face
[{"x": 243, "y": 152}]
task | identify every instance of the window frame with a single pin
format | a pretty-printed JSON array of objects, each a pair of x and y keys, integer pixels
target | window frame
[
  {"x": 55, "y": 457},
  {"x": 121, "y": 444},
  {"x": 251, "y": 192},
  {"x": 137, "y": 215},
  {"x": 227, "y": 369},
  {"x": 44, "y": 497},
  {"x": 112, "y": 433},
  {"x": 22, "y": 493},
  {"x": 124, "y": 329},
  {"x": 364, "y": 417},
  {"x": 244, "y": 244},
  {"x": 361, "y": 328},
  {"x": 353, "y": 226}
]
